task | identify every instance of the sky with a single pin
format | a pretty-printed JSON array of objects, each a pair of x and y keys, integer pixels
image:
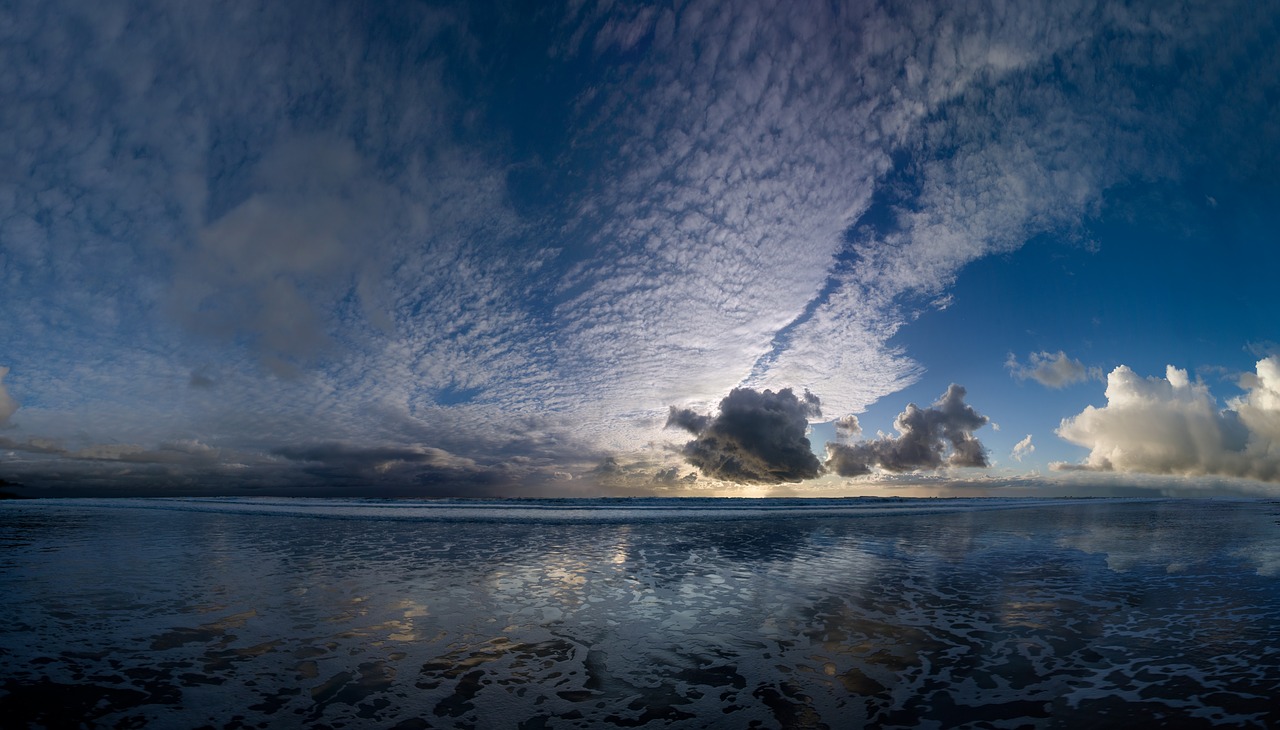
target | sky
[{"x": 622, "y": 249}]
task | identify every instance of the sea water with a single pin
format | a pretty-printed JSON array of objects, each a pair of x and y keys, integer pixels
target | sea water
[{"x": 240, "y": 613}]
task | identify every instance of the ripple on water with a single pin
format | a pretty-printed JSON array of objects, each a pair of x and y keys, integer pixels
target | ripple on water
[{"x": 1099, "y": 613}]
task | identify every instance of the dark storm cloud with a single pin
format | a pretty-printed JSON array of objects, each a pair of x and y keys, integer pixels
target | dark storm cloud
[
  {"x": 924, "y": 435},
  {"x": 687, "y": 419},
  {"x": 319, "y": 468},
  {"x": 357, "y": 458},
  {"x": 170, "y": 452},
  {"x": 849, "y": 460},
  {"x": 758, "y": 437},
  {"x": 411, "y": 469}
]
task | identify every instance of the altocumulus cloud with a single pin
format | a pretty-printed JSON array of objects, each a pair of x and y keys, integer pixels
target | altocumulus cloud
[
  {"x": 924, "y": 435},
  {"x": 757, "y": 438},
  {"x": 1172, "y": 425},
  {"x": 330, "y": 196}
]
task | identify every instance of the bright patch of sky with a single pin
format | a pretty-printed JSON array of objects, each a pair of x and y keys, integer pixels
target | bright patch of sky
[{"x": 437, "y": 249}]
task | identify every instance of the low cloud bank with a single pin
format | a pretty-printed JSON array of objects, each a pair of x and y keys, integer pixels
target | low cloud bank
[
  {"x": 179, "y": 453},
  {"x": 924, "y": 435},
  {"x": 1171, "y": 425},
  {"x": 757, "y": 438}
]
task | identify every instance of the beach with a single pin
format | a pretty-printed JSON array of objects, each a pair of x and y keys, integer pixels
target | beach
[{"x": 639, "y": 613}]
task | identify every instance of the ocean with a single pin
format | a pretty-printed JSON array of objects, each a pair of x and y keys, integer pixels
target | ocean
[{"x": 655, "y": 613}]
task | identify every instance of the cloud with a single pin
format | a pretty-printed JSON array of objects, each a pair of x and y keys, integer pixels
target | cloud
[
  {"x": 638, "y": 473},
  {"x": 186, "y": 453},
  {"x": 200, "y": 379},
  {"x": 1263, "y": 348},
  {"x": 268, "y": 268},
  {"x": 668, "y": 475},
  {"x": 922, "y": 442},
  {"x": 757, "y": 438},
  {"x": 33, "y": 446},
  {"x": 688, "y": 419},
  {"x": 719, "y": 227},
  {"x": 1022, "y": 449},
  {"x": 1172, "y": 425},
  {"x": 380, "y": 459},
  {"x": 182, "y": 453},
  {"x": 8, "y": 406},
  {"x": 1052, "y": 370},
  {"x": 848, "y": 428},
  {"x": 330, "y": 195}
]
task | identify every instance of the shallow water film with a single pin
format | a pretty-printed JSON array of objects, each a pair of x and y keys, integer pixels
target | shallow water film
[{"x": 647, "y": 613}]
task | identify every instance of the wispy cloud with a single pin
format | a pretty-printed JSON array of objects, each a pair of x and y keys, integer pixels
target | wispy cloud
[
  {"x": 1022, "y": 449},
  {"x": 1051, "y": 369}
]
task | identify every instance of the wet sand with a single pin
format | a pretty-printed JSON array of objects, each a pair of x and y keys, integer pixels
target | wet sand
[{"x": 1103, "y": 613}]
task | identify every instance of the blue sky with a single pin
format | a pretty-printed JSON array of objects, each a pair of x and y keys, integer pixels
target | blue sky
[{"x": 597, "y": 248}]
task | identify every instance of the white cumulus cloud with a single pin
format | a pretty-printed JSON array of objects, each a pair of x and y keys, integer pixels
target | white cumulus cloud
[{"x": 1172, "y": 425}]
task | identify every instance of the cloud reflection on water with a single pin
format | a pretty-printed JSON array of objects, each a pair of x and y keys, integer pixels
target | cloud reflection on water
[{"x": 1048, "y": 614}]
